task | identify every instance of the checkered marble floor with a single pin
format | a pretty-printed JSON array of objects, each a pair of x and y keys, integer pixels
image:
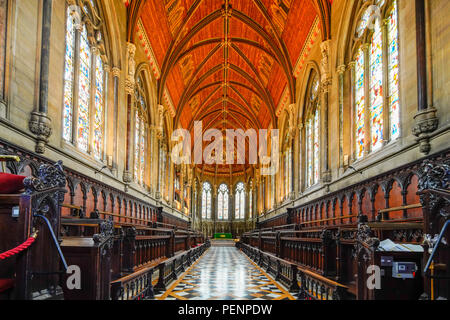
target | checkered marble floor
[{"x": 224, "y": 273}]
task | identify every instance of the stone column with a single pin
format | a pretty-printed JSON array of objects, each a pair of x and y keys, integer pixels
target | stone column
[
  {"x": 341, "y": 72},
  {"x": 300, "y": 160},
  {"x": 129, "y": 89},
  {"x": 40, "y": 122},
  {"x": 116, "y": 80},
  {"x": 426, "y": 120},
  {"x": 326, "y": 84}
]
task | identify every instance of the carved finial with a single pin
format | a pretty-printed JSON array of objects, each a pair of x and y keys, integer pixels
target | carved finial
[{"x": 49, "y": 176}]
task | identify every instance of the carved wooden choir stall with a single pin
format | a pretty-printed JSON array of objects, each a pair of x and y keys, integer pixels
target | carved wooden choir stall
[
  {"x": 122, "y": 249},
  {"x": 385, "y": 238}
]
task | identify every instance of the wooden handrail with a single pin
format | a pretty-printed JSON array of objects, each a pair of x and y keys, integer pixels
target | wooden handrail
[
  {"x": 134, "y": 275},
  {"x": 321, "y": 278},
  {"x": 329, "y": 219},
  {"x": 152, "y": 237},
  {"x": 122, "y": 216},
  {"x": 143, "y": 221},
  {"x": 70, "y": 206},
  {"x": 411, "y": 206}
]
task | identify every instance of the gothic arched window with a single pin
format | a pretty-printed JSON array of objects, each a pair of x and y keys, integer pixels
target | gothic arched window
[
  {"x": 377, "y": 111},
  {"x": 288, "y": 172},
  {"x": 163, "y": 167},
  {"x": 360, "y": 96},
  {"x": 140, "y": 131},
  {"x": 222, "y": 202},
  {"x": 240, "y": 201},
  {"x": 312, "y": 129},
  {"x": 206, "y": 201},
  {"x": 85, "y": 82}
]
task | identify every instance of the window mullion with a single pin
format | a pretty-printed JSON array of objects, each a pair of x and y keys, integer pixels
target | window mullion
[
  {"x": 92, "y": 94},
  {"x": 76, "y": 87},
  {"x": 386, "y": 89}
]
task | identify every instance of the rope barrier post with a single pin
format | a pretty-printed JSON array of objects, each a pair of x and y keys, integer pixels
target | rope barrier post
[{"x": 24, "y": 246}]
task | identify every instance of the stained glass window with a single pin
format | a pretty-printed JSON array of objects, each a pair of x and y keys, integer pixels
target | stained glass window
[
  {"x": 364, "y": 22},
  {"x": 375, "y": 106},
  {"x": 223, "y": 199},
  {"x": 240, "y": 201},
  {"x": 142, "y": 153},
  {"x": 84, "y": 91},
  {"x": 272, "y": 188},
  {"x": 313, "y": 137},
  {"x": 376, "y": 87},
  {"x": 99, "y": 114},
  {"x": 160, "y": 171},
  {"x": 316, "y": 147},
  {"x": 68, "y": 78},
  {"x": 393, "y": 67},
  {"x": 140, "y": 136},
  {"x": 163, "y": 171},
  {"x": 360, "y": 104},
  {"x": 206, "y": 201},
  {"x": 309, "y": 153},
  {"x": 288, "y": 172},
  {"x": 204, "y": 204},
  {"x": 83, "y": 115},
  {"x": 137, "y": 133}
]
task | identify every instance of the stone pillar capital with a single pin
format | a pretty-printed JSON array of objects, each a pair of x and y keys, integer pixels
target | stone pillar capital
[
  {"x": 341, "y": 69},
  {"x": 41, "y": 125},
  {"x": 116, "y": 72},
  {"x": 426, "y": 123}
]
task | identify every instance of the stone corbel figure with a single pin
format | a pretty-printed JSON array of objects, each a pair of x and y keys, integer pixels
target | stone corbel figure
[
  {"x": 130, "y": 82},
  {"x": 160, "y": 127},
  {"x": 325, "y": 63},
  {"x": 291, "y": 121}
]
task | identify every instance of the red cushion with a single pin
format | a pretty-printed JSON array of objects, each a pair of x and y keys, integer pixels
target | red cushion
[
  {"x": 6, "y": 284},
  {"x": 10, "y": 183}
]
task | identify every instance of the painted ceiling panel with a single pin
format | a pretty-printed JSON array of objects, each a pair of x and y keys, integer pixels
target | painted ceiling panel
[{"x": 248, "y": 49}]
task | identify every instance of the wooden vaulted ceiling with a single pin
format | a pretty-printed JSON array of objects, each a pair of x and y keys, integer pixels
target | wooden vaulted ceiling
[{"x": 227, "y": 62}]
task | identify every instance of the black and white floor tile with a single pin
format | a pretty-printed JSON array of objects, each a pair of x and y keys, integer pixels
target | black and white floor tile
[{"x": 224, "y": 273}]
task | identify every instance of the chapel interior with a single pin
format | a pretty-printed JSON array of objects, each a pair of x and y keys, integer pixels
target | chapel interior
[{"x": 343, "y": 193}]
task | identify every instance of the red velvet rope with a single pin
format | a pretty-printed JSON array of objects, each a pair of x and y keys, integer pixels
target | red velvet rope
[{"x": 19, "y": 249}]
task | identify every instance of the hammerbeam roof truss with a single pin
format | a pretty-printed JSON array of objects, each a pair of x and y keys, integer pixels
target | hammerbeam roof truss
[{"x": 227, "y": 61}]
